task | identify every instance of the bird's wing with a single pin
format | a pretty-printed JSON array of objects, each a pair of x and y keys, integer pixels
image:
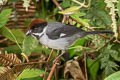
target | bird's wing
[{"x": 58, "y": 30}]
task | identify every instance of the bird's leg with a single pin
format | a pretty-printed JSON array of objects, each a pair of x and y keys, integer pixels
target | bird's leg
[{"x": 54, "y": 61}]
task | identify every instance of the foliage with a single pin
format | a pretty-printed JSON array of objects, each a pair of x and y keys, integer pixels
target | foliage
[
  {"x": 108, "y": 57},
  {"x": 31, "y": 74},
  {"x": 4, "y": 15},
  {"x": 98, "y": 55},
  {"x": 29, "y": 44},
  {"x": 12, "y": 34},
  {"x": 114, "y": 76}
]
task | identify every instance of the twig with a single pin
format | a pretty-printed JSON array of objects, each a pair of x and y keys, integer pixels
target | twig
[
  {"x": 51, "y": 72},
  {"x": 47, "y": 61},
  {"x": 85, "y": 64},
  {"x": 52, "y": 69},
  {"x": 60, "y": 8},
  {"x": 50, "y": 55},
  {"x": 57, "y": 4},
  {"x": 64, "y": 18},
  {"x": 30, "y": 63},
  {"x": 105, "y": 44},
  {"x": 82, "y": 4},
  {"x": 3, "y": 40}
]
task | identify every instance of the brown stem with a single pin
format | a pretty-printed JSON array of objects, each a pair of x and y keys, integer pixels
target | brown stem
[
  {"x": 3, "y": 40},
  {"x": 57, "y": 4},
  {"x": 47, "y": 62},
  {"x": 51, "y": 72}
]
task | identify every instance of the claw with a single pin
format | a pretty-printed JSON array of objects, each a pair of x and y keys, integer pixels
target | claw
[{"x": 55, "y": 61}]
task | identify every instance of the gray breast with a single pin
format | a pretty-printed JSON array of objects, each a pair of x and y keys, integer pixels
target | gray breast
[{"x": 59, "y": 44}]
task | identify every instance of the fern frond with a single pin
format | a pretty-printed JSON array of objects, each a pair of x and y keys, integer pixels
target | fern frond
[
  {"x": 9, "y": 59},
  {"x": 6, "y": 73}
]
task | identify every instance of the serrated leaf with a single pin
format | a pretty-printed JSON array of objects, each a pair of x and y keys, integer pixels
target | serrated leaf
[
  {"x": 30, "y": 74},
  {"x": 103, "y": 15},
  {"x": 108, "y": 71},
  {"x": 4, "y": 15},
  {"x": 114, "y": 76},
  {"x": 106, "y": 63},
  {"x": 70, "y": 10},
  {"x": 29, "y": 44},
  {"x": 10, "y": 34}
]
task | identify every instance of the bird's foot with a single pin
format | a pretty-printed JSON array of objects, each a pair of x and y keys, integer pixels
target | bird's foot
[{"x": 55, "y": 61}]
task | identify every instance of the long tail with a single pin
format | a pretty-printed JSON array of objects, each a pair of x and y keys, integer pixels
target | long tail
[{"x": 99, "y": 31}]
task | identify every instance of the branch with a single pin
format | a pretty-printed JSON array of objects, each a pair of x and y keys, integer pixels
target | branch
[{"x": 51, "y": 72}]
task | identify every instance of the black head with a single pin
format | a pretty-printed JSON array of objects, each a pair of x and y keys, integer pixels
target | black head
[{"x": 36, "y": 27}]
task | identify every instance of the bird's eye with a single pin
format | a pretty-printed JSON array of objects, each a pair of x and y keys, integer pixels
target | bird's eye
[{"x": 35, "y": 30}]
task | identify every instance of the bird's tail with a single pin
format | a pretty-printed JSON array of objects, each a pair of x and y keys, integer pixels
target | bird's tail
[{"x": 99, "y": 31}]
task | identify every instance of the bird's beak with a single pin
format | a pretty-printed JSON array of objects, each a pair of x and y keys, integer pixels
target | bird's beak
[{"x": 28, "y": 32}]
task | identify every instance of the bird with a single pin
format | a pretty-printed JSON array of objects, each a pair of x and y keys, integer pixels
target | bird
[{"x": 57, "y": 35}]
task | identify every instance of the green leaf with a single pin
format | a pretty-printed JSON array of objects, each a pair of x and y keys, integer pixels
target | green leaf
[
  {"x": 66, "y": 3},
  {"x": 17, "y": 33},
  {"x": 70, "y": 10},
  {"x": 29, "y": 44},
  {"x": 108, "y": 58},
  {"x": 40, "y": 49},
  {"x": 93, "y": 68},
  {"x": 79, "y": 42},
  {"x": 114, "y": 76},
  {"x": 101, "y": 4},
  {"x": 110, "y": 67},
  {"x": 12, "y": 49},
  {"x": 78, "y": 14},
  {"x": 4, "y": 15},
  {"x": 30, "y": 74},
  {"x": 102, "y": 15},
  {"x": 118, "y": 7},
  {"x": 83, "y": 21}
]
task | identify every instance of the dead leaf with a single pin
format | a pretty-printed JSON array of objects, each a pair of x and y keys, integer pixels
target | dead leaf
[{"x": 72, "y": 67}]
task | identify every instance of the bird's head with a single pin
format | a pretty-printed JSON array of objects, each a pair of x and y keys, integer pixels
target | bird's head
[{"x": 37, "y": 27}]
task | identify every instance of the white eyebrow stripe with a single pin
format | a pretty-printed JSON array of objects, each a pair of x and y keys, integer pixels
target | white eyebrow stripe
[
  {"x": 62, "y": 34},
  {"x": 38, "y": 34}
]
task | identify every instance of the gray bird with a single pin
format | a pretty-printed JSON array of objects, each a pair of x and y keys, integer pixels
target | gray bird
[{"x": 57, "y": 35}]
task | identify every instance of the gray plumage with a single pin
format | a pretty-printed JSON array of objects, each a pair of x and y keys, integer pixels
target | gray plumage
[{"x": 60, "y": 36}]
